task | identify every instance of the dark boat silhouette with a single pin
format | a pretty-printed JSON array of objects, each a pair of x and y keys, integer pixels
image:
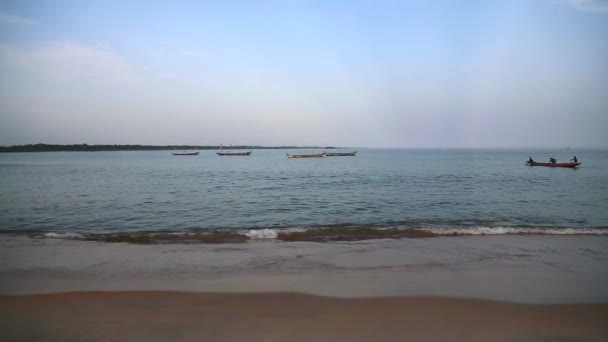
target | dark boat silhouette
[
  {"x": 569, "y": 165},
  {"x": 340, "y": 154},
  {"x": 317, "y": 155},
  {"x": 233, "y": 153},
  {"x": 184, "y": 153}
]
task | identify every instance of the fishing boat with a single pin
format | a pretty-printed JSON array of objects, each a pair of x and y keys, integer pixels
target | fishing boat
[
  {"x": 184, "y": 153},
  {"x": 570, "y": 165},
  {"x": 318, "y": 155},
  {"x": 340, "y": 154},
  {"x": 234, "y": 153}
]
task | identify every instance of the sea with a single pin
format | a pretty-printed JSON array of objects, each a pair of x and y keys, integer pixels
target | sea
[{"x": 411, "y": 218}]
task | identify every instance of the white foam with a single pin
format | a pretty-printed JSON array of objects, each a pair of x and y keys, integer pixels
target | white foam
[
  {"x": 262, "y": 234},
  {"x": 67, "y": 236},
  {"x": 515, "y": 230}
]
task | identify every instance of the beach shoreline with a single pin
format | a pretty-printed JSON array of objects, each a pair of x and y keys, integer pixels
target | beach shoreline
[
  {"x": 188, "y": 316},
  {"x": 479, "y": 288},
  {"x": 523, "y": 269}
]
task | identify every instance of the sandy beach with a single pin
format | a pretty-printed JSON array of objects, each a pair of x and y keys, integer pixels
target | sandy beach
[
  {"x": 503, "y": 288},
  {"x": 183, "y": 316}
]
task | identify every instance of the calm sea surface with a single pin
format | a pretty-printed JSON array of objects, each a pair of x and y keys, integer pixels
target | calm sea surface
[{"x": 103, "y": 193}]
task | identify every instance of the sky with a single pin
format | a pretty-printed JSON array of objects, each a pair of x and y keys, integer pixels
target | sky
[{"x": 428, "y": 73}]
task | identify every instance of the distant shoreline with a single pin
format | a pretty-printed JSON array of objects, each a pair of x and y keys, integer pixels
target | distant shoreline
[
  {"x": 106, "y": 148},
  {"x": 137, "y": 147}
]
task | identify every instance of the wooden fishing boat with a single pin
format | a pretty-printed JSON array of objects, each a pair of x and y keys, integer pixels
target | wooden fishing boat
[
  {"x": 340, "y": 154},
  {"x": 318, "y": 155},
  {"x": 184, "y": 153},
  {"x": 233, "y": 153},
  {"x": 570, "y": 165}
]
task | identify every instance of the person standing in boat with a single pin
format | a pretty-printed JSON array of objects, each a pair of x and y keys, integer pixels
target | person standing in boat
[
  {"x": 574, "y": 159},
  {"x": 530, "y": 161},
  {"x": 552, "y": 161}
]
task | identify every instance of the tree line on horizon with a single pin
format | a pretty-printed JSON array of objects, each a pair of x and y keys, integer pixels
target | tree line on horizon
[{"x": 99, "y": 148}]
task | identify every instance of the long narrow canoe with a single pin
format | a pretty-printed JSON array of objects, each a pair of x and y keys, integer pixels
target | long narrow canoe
[
  {"x": 318, "y": 155},
  {"x": 570, "y": 165},
  {"x": 184, "y": 153},
  {"x": 233, "y": 153},
  {"x": 345, "y": 154}
]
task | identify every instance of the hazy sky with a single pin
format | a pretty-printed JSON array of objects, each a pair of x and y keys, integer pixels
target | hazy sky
[{"x": 428, "y": 73}]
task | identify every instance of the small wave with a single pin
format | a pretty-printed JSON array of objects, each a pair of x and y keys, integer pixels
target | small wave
[
  {"x": 65, "y": 236},
  {"x": 350, "y": 233},
  {"x": 514, "y": 231},
  {"x": 313, "y": 234},
  {"x": 257, "y": 234}
]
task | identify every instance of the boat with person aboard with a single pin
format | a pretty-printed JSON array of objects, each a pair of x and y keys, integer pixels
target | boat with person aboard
[{"x": 553, "y": 163}]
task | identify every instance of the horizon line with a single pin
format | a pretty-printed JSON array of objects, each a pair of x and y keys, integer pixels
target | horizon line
[{"x": 311, "y": 146}]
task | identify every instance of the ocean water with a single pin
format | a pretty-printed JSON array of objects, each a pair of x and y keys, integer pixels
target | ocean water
[{"x": 381, "y": 193}]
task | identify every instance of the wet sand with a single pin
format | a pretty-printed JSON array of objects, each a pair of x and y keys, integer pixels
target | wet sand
[
  {"x": 526, "y": 269},
  {"x": 188, "y": 316}
]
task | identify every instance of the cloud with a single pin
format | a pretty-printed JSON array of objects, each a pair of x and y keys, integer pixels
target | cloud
[
  {"x": 589, "y": 5},
  {"x": 195, "y": 54},
  {"x": 9, "y": 19},
  {"x": 68, "y": 63}
]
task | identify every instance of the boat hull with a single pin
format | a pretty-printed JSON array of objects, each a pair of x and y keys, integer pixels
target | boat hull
[
  {"x": 319, "y": 155},
  {"x": 185, "y": 154},
  {"x": 227, "y": 154},
  {"x": 347, "y": 154},
  {"x": 567, "y": 165}
]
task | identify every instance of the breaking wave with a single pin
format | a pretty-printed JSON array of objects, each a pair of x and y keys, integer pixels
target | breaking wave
[
  {"x": 256, "y": 234},
  {"x": 312, "y": 234},
  {"x": 515, "y": 231},
  {"x": 67, "y": 236}
]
